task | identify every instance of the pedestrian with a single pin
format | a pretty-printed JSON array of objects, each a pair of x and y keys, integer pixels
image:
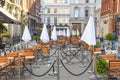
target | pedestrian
[{"x": 114, "y": 40}]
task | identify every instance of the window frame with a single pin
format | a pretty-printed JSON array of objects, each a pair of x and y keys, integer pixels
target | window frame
[
  {"x": 86, "y": 12},
  {"x": 76, "y": 12}
]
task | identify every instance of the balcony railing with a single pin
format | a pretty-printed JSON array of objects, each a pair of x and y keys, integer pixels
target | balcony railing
[{"x": 78, "y": 18}]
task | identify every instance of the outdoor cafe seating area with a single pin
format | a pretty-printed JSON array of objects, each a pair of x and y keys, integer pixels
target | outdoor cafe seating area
[
  {"x": 12, "y": 61},
  {"x": 113, "y": 59}
]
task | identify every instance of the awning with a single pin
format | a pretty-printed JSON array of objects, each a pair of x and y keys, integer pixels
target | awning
[{"x": 6, "y": 17}]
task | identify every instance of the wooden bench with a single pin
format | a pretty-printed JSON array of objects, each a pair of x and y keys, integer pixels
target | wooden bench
[
  {"x": 108, "y": 57},
  {"x": 114, "y": 64}
]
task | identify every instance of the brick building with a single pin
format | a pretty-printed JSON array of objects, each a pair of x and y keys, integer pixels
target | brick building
[{"x": 109, "y": 10}]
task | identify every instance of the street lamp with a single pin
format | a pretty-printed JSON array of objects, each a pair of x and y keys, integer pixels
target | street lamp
[{"x": 102, "y": 32}]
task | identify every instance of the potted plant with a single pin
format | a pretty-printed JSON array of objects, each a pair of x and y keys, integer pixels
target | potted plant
[
  {"x": 2, "y": 28},
  {"x": 109, "y": 37},
  {"x": 36, "y": 37},
  {"x": 97, "y": 44},
  {"x": 102, "y": 67}
]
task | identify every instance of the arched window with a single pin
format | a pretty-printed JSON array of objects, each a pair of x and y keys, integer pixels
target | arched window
[{"x": 76, "y": 12}]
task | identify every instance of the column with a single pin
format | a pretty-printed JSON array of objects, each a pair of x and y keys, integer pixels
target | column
[
  {"x": 82, "y": 27},
  {"x": 82, "y": 12}
]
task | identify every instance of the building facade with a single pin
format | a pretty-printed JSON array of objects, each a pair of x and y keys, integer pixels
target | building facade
[
  {"x": 109, "y": 14},
  {"x": 33, "y": 14},
  {"x": 80, "y": 10},
  {"x": 117, "y": 19},
  {"x": 19, "y": 10},
  {"x": 12, "y": 9},
  {"x": 56, "y": 12},
  {"x": 99, "y": 27},
  {"x": 74, "y": 13}
]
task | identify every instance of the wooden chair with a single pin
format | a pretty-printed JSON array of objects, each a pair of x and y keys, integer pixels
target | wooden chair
[
  {"x": 45, "y": 50},
  {"x": 4, "y": 71},
  {"x": 114, "y": 65},
  {"x": 13, "y": 57},
  {"x": 86, "y": 46},
  {"x": 62, "y": 42},
  {"x": 108, "y": 57}
]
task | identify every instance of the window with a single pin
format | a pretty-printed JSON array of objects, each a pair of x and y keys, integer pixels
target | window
[
  {"x": 55, "y": 10},
  {"x": 60, "y": 1},
  {"x": 66, "y": 1},
  {"x": 55, "y": 1},
  {"x": 76, "y": 12},
  {"x": 48, "y": 20},
  {"x": 48, "y": 10},
  {"x": 95, "y": 1},
  {"x": 48, "y": 1},
  {"x": 86, "y": 13},
  {"x": 12, "y": 1},
  {"x": 76, "y": 1},
  {"x": 60, "y": 19},
  {"x": 55, "y": 20},
  {"x": 60, "y": 10},
  {"x": 87, "y": 1}
]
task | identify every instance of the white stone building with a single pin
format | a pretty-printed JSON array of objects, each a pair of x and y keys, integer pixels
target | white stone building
[
  {"x": 56, "y": 12},
  {"x": 74, "y": 13},
  {"x": 99, "y": 27},
  {"x": 80, "y": 10}
]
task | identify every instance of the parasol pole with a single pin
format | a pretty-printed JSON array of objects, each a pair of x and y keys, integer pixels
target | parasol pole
[{"x": 58, "y": 71}]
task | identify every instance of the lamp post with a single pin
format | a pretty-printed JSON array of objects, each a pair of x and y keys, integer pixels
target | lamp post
[{"x": 102, "y": 32}]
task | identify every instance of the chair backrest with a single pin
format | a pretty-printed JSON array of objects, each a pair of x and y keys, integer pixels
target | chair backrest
[
  {"x": 108, "y": 56},
  {"x": 45, "y": 50},
  {"x": 97, "y": 49},
  {"x": 86, "y": 46},
  {"x": 3, "y": 59},
  {"x": 13, "y": 54}
]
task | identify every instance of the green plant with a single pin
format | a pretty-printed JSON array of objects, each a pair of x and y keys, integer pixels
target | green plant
[
  {"x": 101, "y": 66},
  {"x": 109, "y": 36},
  {"x": 97, "y": 44},
  {"x": 2, "y": 28},
  {"x": 5, "y": 35},
  {"x": 36, "y": 37}
]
